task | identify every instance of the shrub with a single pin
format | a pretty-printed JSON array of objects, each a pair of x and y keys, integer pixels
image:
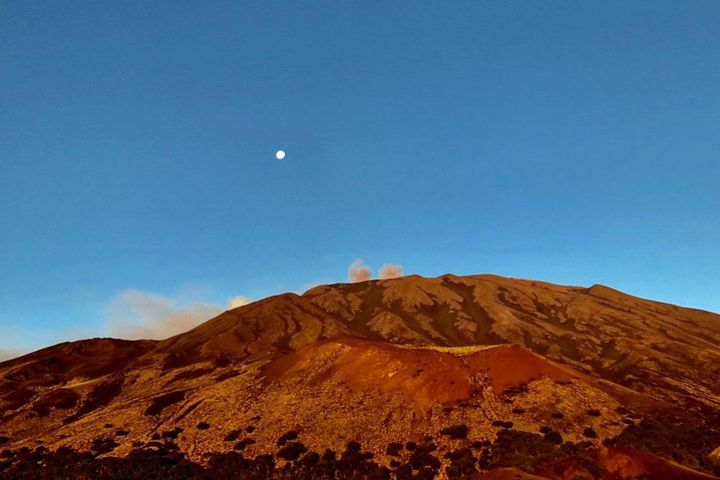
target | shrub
[
  {"x": 553, "y": 437},
  {"x": 244, "y": 443},
  {"x": 103, "y": 445},
  {"x": 171, "y": 434},
  {"x": 291, "y": 435},
  {"x": 422, "y": 457},
  {"x": 393, "y": 449},
  {"x": 291, "y": 451},
  {"x": 501, "y": 424},
  {"x": 462, "y": 464},
  {"x": 455, "y": 432},
  {"x": 233, "y": 435}
]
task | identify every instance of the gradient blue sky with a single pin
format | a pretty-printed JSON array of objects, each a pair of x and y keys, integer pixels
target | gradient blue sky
[{"x": 574, "y": 142}]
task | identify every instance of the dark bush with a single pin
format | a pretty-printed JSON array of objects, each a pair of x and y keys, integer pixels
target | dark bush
[
  {"x": 103, "y": 445},
  {"x": 403, "y": 472},
  {"x": 171, "y": 434},
  {"x": 422, "y": 457},
  {"x": 203, "y": 426},
  {"x": 244, "y": 443},
  {"x": 291, "y": 451},
  {"x": 553, "y": 437},
  {"x": 462, "y": 464},
  {"x": 309, "y": 459},
  {"x": 393, "y": 449},
  {"x": 291, "y": 435},
  {"x": 455, "y": 432},
  {"x": 233, "y": 435},
  {"x": 589, "y": 433},
  {"x": 501, "y": 424}
]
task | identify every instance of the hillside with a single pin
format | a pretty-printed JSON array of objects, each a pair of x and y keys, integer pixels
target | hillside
[{"x": 520, "y": 374}]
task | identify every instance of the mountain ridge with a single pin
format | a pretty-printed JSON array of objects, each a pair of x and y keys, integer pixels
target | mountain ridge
[{"x": 383, "y": 361}]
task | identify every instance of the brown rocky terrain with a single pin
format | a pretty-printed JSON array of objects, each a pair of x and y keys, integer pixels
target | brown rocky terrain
[{"x": 532, "y": 378}]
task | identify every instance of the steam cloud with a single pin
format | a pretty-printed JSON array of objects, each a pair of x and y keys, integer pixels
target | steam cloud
[
  {"x": 238, "y": 301},
  {"x": 390, "y": 270},
  {"x": 9, "y": 353},
  {"x": 359, "y": 272},
  {"x": 134, "y": 314}
]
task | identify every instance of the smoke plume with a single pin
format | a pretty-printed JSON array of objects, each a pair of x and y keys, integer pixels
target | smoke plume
[
  {"x": 390, "y": 270},
  {"x": 359, "y": 272}
]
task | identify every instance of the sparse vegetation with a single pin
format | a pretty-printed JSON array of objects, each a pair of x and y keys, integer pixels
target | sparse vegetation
[
  {"x": 688, "y": 439},
  {"x": 462, "y": 464},
  {"x": 524, "y": 450}
]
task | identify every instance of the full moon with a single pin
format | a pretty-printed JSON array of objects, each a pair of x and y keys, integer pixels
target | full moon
[{"x": 280, "y": 154}]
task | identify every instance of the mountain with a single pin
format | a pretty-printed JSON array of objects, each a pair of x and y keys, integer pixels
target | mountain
[{"x": 483, "y": 375}]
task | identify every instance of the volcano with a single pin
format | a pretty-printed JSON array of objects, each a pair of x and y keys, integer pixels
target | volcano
[{"x": 449, "y": 377}]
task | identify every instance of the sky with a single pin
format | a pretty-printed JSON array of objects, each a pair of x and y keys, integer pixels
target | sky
[{"x": 572, "y": 142}]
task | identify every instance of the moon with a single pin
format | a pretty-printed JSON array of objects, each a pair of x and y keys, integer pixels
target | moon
[{"x": 280, "y": 154}]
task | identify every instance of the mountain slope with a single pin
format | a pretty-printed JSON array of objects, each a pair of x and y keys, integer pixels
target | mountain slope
[{"x": 381, "y": 362}]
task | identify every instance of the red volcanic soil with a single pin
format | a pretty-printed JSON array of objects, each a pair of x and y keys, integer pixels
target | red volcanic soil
[{"x": 426, "y": 375}]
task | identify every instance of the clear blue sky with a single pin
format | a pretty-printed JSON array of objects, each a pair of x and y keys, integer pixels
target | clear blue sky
[{"x": 574, "y": 142}]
